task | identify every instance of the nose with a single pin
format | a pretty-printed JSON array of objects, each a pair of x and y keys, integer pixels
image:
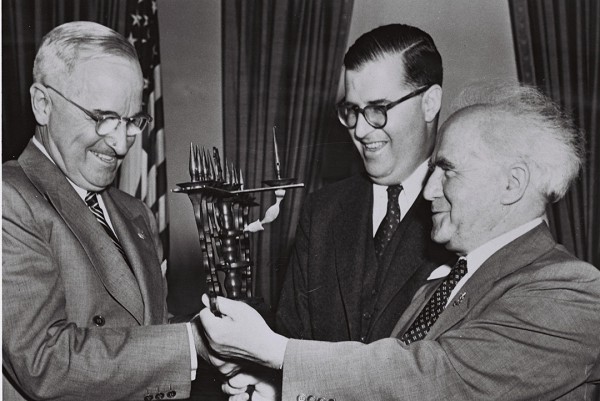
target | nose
[
  {"x": 117, "y": 139},
  {"x": 363, "y": 128},
  {"x": 433, "y": 188}
]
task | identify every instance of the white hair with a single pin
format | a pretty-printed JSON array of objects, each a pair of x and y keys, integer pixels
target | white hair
[
  {"x": 68, "y": 44},
  {"x": 518, "y": 121}
]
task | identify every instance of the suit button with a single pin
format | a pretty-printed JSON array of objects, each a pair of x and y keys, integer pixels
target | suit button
[
  {"x": 99, "y": 320},
  {"x": 301, "y": 397},
  {"x": 363, "y": 339},
  {"x": 321, "y": 399},
  {"x": 149, "y": 397},
  {"x": 367, "y": 315},
  {"x": 311, "y": 398},
  {"x": 171, "y": 394},
  {"x": 159, "y": 396}
]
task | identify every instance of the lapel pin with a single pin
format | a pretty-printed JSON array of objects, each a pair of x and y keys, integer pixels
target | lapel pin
[
  {"x": 141, "y": 235},
  {"x": 459, "y": 300}
]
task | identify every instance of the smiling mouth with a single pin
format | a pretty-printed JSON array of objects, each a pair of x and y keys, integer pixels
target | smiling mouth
[
  {"x": 374, "y": 146},
  {"x": 104, "y": 157}
]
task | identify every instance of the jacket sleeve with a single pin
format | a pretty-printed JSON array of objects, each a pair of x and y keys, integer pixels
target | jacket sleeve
[
  {"x": 48, "y": 357},
  {"x": 538, "y": 339}
]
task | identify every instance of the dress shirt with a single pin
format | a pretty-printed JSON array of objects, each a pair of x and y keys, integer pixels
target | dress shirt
[
  {"x": 411, "y": 188},
  {"x": 482, "y": 253},
  {"x": 82, "y": 193}
]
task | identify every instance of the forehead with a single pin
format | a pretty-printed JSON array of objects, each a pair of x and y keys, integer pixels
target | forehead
[
  {"x": 108, "y": 79},
  {"x": 378, "y": 79},
  {"x": 459, "y": 138}
]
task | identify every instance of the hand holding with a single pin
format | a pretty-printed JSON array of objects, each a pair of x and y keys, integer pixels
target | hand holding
[
  {"x": 242, "y": 333},
  {"x": 226, "y": 368},
  {"x": 265, "y": 388}
]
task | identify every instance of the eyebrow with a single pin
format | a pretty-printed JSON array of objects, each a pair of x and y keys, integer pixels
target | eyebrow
[
  {"x": 114, "y": 113},
  {"x": 442, "y": 163},
  {"x": 376, "y": 102}
]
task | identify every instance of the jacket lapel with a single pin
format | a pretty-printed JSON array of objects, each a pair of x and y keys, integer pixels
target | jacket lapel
[
  {"x": 350, "y": 257},
  {"x": 512, "y": 257},
  {"x": 409, "y": 250},
  {"x": 518, "y": 253},
  {"x": 132, "y": 230},
  {"x": 108, "y": 262}
]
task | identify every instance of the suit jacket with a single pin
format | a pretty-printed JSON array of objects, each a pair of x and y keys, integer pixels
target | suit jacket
[
  {"x": 77, "y": 323},
  {"x": 321, "y": 295},
  {"x": 527, "y": 328}
]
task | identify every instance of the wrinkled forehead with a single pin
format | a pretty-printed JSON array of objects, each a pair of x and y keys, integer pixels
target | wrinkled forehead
[{"x": 106, "y": 73}]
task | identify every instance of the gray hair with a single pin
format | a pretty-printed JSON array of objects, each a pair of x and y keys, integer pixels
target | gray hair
[
  {"x": 68, "y": 44},
  {"x": 518, "y": 121}
]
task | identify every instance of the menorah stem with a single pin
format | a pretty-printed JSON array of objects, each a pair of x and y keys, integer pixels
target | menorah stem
[{"x": 229, "y": 243}]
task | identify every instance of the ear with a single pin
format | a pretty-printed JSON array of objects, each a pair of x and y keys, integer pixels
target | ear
[
  {"x": 40, "y": 103},
  {"x": 432, "y": 102},
  {"x": 518, "y": 181}
]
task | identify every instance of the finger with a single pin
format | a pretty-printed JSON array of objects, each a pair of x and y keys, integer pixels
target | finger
[
  {"x": 240, "y": 397},
  {"x": 227, "y": 389},
  {"x": 233, "y": 308},
  {"x": 242, "y": 380}
]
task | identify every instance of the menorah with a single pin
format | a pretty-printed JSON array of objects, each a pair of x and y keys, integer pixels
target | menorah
[{"x": 221, "y": 208}]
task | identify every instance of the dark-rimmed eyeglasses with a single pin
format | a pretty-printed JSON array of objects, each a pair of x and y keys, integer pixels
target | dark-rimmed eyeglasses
[
  {"x": 107, "y": 122},
  {"x": 375, "y": 115}
]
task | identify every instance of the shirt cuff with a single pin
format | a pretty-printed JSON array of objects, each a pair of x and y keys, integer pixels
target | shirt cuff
[{"x": 193, "y": 353}]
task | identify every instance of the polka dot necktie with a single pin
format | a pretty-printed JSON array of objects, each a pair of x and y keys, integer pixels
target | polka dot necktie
[
  {"x": 390, "y": 222},
  {"x": 436, "y": 304},
  {"x": 92, "y": 202}
]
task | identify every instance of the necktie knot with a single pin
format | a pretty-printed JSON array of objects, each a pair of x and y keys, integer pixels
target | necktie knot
[
  {"x": 394, "y": 192},
  {"x": 91, "y": 199}
]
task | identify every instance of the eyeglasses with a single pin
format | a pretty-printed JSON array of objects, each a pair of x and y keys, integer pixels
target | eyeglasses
[
  {"x": 375, "y": 115},
  {"x": 108, "y": 122}
]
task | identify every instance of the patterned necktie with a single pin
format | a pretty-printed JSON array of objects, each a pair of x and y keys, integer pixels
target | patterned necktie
[
  {"x": 92, "y": 201},
  {"x": 436, "y": 304},
  {"x": 390, "y": 222}
]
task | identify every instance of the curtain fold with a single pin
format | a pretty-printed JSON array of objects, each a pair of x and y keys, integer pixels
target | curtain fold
[
  {"x": 24, "y": 23},
  {"x": 281, "y": 66},
  {"x": 557, "y": 44}
]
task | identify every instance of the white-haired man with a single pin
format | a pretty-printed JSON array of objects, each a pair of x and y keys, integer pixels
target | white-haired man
[
  {"x": 83, "y": 297},
  {"x": 517, "y": 317}
]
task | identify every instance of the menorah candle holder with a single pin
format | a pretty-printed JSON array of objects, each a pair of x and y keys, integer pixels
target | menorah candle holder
[{"x": 221, "y": 209}]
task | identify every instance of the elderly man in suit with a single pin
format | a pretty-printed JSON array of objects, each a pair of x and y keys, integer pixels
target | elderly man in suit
[
  {"x": 83, "y": 295},
  {"x": 362, "y": 245},
  {"x": 516, "y": 318}
]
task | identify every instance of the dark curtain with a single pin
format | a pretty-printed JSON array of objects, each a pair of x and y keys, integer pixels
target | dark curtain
[
  {"x": 24, "y": 23},
  {"x": 558, "y": 50},
  {"x": 281, "y": 67}
]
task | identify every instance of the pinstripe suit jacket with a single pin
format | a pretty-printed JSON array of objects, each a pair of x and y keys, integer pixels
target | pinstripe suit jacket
[
  {"x": 528, "y": 328},
  {"x": 77, "y": 324}
]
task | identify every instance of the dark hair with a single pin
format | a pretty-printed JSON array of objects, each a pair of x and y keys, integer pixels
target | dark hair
[{"x": 422, "y": 61}]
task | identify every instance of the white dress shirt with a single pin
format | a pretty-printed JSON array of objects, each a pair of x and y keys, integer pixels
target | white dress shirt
[
  {"x": 478, "y": 256},
  {"x": 411, "y": 188},
  {"x": 82, "y": 194}
]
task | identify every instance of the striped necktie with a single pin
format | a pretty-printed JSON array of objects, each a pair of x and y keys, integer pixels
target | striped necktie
[
  {"x": 436, "y": 304},
  {"x": 92, "y": 201}
]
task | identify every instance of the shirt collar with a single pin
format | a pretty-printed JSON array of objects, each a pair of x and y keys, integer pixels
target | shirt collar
[
  {"x": 478, "y": 256},
  {"x": 412, "y": 186}
]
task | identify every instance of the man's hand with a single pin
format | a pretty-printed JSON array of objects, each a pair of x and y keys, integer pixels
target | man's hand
[
  {"x": 226, "y": 368},
  {"x": 242, "y": 333},
  {"x": 265, "y": 387}
]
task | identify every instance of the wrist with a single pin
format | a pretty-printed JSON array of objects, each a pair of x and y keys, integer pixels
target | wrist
[{"x": 277, "y": 349}]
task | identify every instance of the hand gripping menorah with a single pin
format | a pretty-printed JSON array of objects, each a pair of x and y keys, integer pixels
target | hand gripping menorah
[{"x": 221, "y": 209}]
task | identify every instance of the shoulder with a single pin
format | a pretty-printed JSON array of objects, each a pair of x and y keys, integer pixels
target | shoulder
[{"x": 343, "y": 189}]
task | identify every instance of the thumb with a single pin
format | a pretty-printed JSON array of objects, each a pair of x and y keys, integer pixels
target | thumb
[
  {"x": 232, "y": 308},
  {"x": 205, "y": 300}
]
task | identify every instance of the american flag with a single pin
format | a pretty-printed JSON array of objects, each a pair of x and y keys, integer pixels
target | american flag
[{"x": 143, "y": 172}]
